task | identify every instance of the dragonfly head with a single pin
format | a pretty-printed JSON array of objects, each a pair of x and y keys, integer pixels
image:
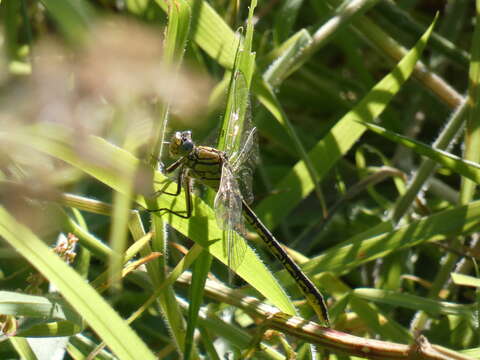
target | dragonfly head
[{"x": 181, "y": 143}]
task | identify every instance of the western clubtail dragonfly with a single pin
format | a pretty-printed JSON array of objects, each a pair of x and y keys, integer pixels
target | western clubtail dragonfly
[{"x": 212, "y": 168}]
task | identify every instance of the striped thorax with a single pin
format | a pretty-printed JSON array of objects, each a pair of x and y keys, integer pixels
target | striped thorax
[{"x": 204, "y": 163}]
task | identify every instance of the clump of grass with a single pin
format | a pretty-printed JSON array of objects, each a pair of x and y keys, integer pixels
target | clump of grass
[{"x": 383, "y": 222}]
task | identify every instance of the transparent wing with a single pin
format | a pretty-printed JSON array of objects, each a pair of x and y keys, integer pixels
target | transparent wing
[
  {"x": 228, "y": 211},
  {"x": 244, "y": 162},
  {"x": 235, "y": 249},
  {"x": 238, "y": 158},
  {"x": 237, "y": 121},
  {"x": 228, "y": 202},
  {"x": 238, "y": 139},
  {"x": 245, "y": 174}
]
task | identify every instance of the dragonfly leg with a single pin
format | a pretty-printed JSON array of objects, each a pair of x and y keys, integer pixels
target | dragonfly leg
[
  {"x": 168, "y": 170},
  {"x": 184, "y": 179},
  {"x": 179, "y": 186}
]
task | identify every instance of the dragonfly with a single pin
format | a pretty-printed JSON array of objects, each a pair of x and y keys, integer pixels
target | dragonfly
[{"x": 215, "y": 169}]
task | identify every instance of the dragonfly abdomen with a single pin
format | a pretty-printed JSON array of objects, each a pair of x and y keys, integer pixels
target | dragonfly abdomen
[
  {"x": 314, "y": 297},
  {"x": 205, "y": 165}
]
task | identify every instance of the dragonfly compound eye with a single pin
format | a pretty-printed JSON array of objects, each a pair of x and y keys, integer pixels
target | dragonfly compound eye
[
  {"x": 181, "y": 143},
  {"x": 186, "y": 142},
  {"x": 187, "y": 147}
]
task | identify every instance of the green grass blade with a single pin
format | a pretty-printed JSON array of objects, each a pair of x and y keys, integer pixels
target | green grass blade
[
  {"x": 51, "y": 329},
  {"x": 472, "y": 135},
  {"x": 296, "y": 185},
  {"x": 177, "y": 34},
  {"x": 9, "y": 11},
  {"x": 210, "y": 32},
  {"x": 408, "y": 301},
  {"x": 343, "y": 16},
  {"x": 396, "y": 15},
  {"x": 175, "y": 42},
  {"x": 199, "y": 277},
  {"x": 285, "y": 19},
  {"x": 374, "y": 318},
  {"x": 364, "y": 247},
  {"x": 427, "y": 167},
  {"x": 23, "y": 348},
  {"x": 465, "y": 280},
  {"x": 87, "y": 239},
  {"x": 463, "y": 167},
  {"x": 80, "y": 347},
  {"x": 268, "y": 98},
  {"x": 238, "y": 338},
  {"x": 82, "y": 260},
  {"x": 73, "y": 17},
  {"x": 390, "y": 49},
  {"x": 286, "y": 63},
  {"x": 17, "y": 304},
  {"x": 86, "y": 301},
  {"x": 119, "y": 231}
]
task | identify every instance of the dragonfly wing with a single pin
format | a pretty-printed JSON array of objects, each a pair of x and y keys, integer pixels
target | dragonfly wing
[
  {"x": 237, "y": 119},
  {"x": 245, "y": 174},
  {"x": 228, "y": 211},
  {"x": 244, "y": 163},
  {"x": 228, "y": 201},
  {"x": 235, "y": 248},
  {"x": 247, "y": 151}
]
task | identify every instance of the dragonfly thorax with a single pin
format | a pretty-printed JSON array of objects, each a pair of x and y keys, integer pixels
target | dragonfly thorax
[{"x": 181, "y": 143}]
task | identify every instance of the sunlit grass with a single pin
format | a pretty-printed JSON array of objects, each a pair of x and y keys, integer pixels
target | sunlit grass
[{"x": 364, "y": 172}]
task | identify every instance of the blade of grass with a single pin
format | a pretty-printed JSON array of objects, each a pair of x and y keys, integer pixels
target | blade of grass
[
  {"x": 363, "y": 247},
  {"x": 80, "y": 346},
  {"x": 396, "y": 15},
  {"x": 55, "y": 316},
  {"x": 465, "y": 280},
  {"x": 210, "y": 32},
  {"x": 472, "y": 143},
  {"x": 466, "y": 168},
  {"x": 85, "y": 300},
  {"x": 236, "y": 337},
  {"x": 390, "y": 49},
  {"x": 267, "y": 97},
  {"x": 343, "y": 16},
  {"x": 408, "y": 301},
  {"x": 73, "y": 17},
  {"x": 286, "y": 62},
  {"x": 177, "y": 34},
  {"x": 200, "y": 273},
  {"x": 285, "y": 18},
  {"x": 472, "y": 135},
  {"x": 9, "y": 10},
  {"x": 82, "y": 260},
  {"x": 375, "y": 318},
  {"x": 296, "y": 185},
  {"x": 427, "y": 167},
  {"x": 23, "y": 348},
  {"x": 182, "y": 265},
  {"x": 119, "y": 229},
  {"x": 87, "y": 239}
]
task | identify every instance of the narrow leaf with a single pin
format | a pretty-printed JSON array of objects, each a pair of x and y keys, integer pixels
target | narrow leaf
[
  {"x": 466, "y": 168},
  {"x": 86, "y": 301},
  {"x": 296, "y": 185}
]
